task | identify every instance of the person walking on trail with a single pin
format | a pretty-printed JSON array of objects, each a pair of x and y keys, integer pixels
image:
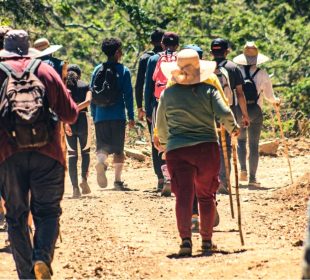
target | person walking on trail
[
  {"x": 156, "y": 38},
  {"x": 231, "y": 79},
  {"x": 80, "y": 130},
  {"x": 187, "y": 133},
  {"x": 111, "y": 94},
  {"x": 153, "y": 87},
  {"x": 31, "y": 159},
  {"x": 257, "y": 86}
]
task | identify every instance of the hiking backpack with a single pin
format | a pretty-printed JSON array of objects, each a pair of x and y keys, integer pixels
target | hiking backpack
[
  {"x": 249, "y": 87},
  {"x": 223, "y": 77},
  {"x": 158, "y": 76},
  {"x": 24, "y": 109},
  {"x": 105, "y": 91}
]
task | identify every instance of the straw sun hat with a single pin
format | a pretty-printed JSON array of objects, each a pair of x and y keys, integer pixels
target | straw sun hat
[
  {"x": 188, "y": 69},
  {"x": 250, "y": 56},
  {"x": 45, "y": 47}
]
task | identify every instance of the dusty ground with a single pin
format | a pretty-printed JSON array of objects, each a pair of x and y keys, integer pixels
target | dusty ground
[{"x": 133, "y": 235}]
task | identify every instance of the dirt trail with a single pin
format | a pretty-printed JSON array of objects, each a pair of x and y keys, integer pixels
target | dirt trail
[{"x": 133, "y": 235}]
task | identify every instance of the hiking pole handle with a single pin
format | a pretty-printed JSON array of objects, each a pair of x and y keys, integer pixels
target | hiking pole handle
[
  {"x": 284, "y": 141},
  {"x": 234, "y": 152},
  {"x": 226, "y": 163}
]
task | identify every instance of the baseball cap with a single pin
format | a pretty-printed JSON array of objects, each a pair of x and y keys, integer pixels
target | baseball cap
[
  {"x": 219, "y": 45},
  {"x": 195, "y": 48},
  {"x": 170, "y": 39}
]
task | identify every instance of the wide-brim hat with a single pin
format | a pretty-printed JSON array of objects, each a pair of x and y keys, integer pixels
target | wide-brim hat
[
  {"x": 45, "y": 47},
  {"x": 188, "y": 69},
  {"x": 16, "y": 44},
  {"x": 250, "y": 56}
]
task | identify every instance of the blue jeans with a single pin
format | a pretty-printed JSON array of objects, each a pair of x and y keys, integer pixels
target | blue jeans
[
  {"x": 43, "y": 177},
  {"x": 253, "y": 133}
]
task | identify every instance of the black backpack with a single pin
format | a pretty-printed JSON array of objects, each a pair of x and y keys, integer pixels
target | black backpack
[
  {"x": 24, "y": 109},
  {"x": 249, "y": 87},
  {"x": 105, "y": 91}
]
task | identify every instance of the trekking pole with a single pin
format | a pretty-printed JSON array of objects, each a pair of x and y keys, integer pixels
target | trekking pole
[
  {"x": 284, "y": 141},
  {"x": 273, "y": 124},
  {"x": 234, "y": 151},
  {"x": 226, "y": 163}
]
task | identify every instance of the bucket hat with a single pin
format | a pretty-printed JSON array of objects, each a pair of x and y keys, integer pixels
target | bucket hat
[
  {"x": 250, "y": 56},
  {"x": 188, "y": 69},
  {"x": 16, "y": 44}
]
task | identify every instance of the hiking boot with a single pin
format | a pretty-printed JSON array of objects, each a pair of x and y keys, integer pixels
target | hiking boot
[
  {"x": 101, "y": 176},
  {"x": 207, "y": 246},
  {"x": 185, "y": 248},
  {"x": 41, "y": 271},
  {"x": 254, "y": 183},
  {"x": 85, "y": 187},
  {"x": 222, "y": 189},
  {"x": 243, "y": 175},
  {"x": 119, "y": 185},
  {"x": 76, "y": 193},
  {"x": 166, "y": 191},
  {"x": 195, "y": 223}
]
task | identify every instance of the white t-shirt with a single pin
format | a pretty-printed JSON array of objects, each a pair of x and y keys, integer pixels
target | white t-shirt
[{"x": 263, "y": 85}]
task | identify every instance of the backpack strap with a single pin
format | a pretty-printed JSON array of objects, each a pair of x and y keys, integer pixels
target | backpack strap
[
  {"x": 32, "y": 66},
  {"x": 254, "y": 74},
  {"x": 6, "y": 69}
]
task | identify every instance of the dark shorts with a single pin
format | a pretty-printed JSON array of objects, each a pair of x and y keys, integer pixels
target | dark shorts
[{"x": 110, "y": 136}]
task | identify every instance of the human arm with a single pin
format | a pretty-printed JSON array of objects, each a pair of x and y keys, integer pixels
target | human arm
[
  {"x": 161, "y": 126},
  {"x": 149, "y": 86},
  {"x": 223, "y": 112},
  {"x": 243, "y": 106},
  {"x": 128, "y": 94},
  {"x": 266, "y": 89},
  {"x": 86, "y": 102}
]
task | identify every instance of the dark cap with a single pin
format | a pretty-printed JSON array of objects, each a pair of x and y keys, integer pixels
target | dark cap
[
  {"x": 219, "y": 45},
  {"x": 75, "y": 68},
  {"x": 3, "y": 31},
  {"x": 157, "y": 36},
  {"x": 170, "y": 39}
]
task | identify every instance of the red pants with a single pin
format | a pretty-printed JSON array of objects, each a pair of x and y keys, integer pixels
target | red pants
[{"x": 195, "y": 168}]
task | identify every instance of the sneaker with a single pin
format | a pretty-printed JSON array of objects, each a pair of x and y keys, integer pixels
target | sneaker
[
  {"x": 41, "y": 271},
  {"x": 222, "y": 189},
  {"x": 166, "y": 191},
  {"x": 254, "y": 183},
  {"x": 119, "y": 185},
  {"x": 185, "y": 248},
  {"x": 207, "y": 246},
  {"x": 101, "y": 176},
  {"x": 76, "y": 193},
  {"x": 85, "y": 187},
  {"x": 243, "y": 175},
  {"x": 195, "y": 223}
]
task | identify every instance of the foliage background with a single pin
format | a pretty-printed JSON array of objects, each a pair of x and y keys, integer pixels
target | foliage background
[{"x": 280, "y": 28}]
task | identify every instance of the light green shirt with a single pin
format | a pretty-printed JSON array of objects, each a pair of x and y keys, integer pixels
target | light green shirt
[{"x": 186, "y": 115}]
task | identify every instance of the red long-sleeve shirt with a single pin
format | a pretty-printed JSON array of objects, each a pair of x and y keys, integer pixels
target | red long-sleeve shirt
[{"x": 60, "y": 102}]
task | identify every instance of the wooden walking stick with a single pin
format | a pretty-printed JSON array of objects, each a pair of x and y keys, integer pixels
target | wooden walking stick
[
  {"x": 284, "y": 141},
  {"x": 226, "y": 162},
  {"x": 234, "y": 151}
]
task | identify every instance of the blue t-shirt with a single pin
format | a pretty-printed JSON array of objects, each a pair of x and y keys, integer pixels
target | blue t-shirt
[{"x": 116, "y": 111}]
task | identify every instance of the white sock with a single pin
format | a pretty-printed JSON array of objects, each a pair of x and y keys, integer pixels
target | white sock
[
  {"x": 118, "y": 171},
  {"x": 102, "y": 157}
]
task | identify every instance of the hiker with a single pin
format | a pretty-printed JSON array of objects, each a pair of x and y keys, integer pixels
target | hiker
[
  {"x": 111, "y": 93},
  {"x": 155, "y": 83},
  {"x": 257, "y": 86},
  {"x": 191, "y": 145},
  {"x": 79, "y": 131},
  {"x": 231, "y": 80},
  {"x": 156, "y": 38},
  {"x": 43, "y": 45},
  {"x": 31, "y": 159}
]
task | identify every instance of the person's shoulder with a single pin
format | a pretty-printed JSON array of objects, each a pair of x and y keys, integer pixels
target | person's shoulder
[
  {"x": 146, "y": 55},
  {"x": 230, "y": 65},
  {"x": 82, "y": 84}
]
